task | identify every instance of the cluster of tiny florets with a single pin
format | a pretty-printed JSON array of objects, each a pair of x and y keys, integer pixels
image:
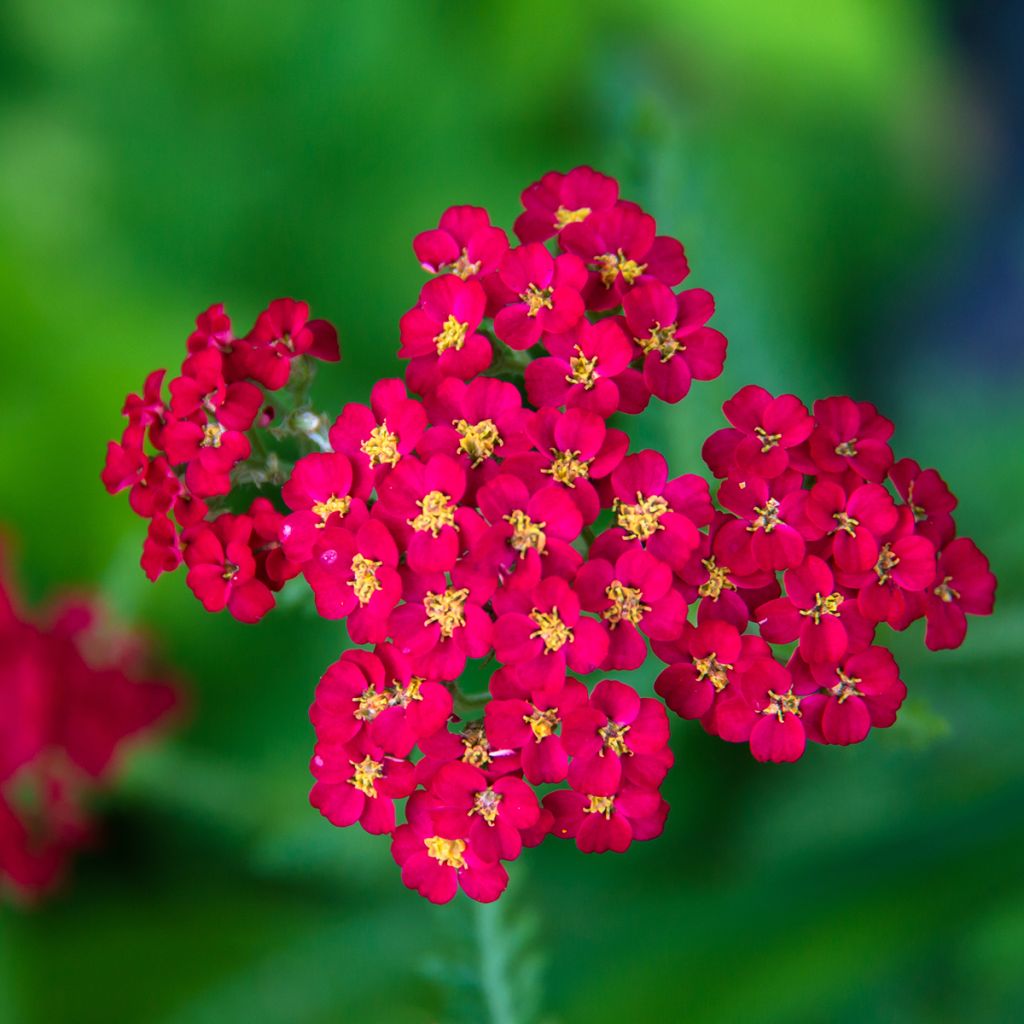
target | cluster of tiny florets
[{"x": 482, "y": 508}]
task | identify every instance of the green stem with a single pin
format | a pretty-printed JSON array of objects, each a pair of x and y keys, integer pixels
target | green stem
[{"x": 494, "y": 962}]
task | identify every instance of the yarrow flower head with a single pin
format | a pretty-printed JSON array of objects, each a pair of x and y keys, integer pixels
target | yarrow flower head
[{"x": 484, "y": 510}]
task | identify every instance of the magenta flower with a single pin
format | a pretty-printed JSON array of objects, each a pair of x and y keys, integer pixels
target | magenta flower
[
  {"x": 437, "y": 861},
  {"x": 618, "y": 736},
  {"x": 222, "y": 569},
  {"x": 441, "y": 625},
  {"x": 848, "y": 435},
  {"x": 420, "y": 502},
  {"x": 929, "y": 498},
  {"x": 322, "y": 491},
  {"x": 844, "y": 702},
  {"x": 963, "y": 585},
  {"x": 560, "y": 199},
  {"x": 161, "y": 550},
  {"x": 529, "y": 721},
  {"x": 620, "y": 246},
  {"x": 854, "y": 523},
  {"x": 542, "y": 633},
  {"x": 439, "y": 334},
  {"x": 491, "y": 815},
  {"x": 544, "y": 295},
  {"x": 670, "y": 331},
  {"x": 359, "y": 782},
  {"x": 377, "y": 436},
  {"x": 202, "y": 388},
  {"x": 767, "y": 531},
  {"x": 469, "y": 745},
  {"x": 765, "y": 712},
  {"x": 763, "y": 430},
  {"x": 635, "y": 597},
  {"x": 354, "y": 576},
  {"x": 600, "y": 823},
  {"x": 213, "y": 331},
  {"x": 376, "y": 695},
  {"x": 813, "y": 612},
  {"x": 282, "y": 332},
  {"x": 659, "y": 514},
  {"x": 582, "y": 368},
  {"x": 464, "y": 243}
]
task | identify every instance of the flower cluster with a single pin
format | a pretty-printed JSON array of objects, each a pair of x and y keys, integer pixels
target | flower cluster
[
  {"x": 483, "y": 512},
  {"x": 73, "y": 689}
]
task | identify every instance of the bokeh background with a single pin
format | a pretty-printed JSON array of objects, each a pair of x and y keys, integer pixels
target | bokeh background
[{"x": 847, "y": 181}]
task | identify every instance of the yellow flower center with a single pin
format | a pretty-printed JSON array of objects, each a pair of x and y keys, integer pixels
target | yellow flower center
[
  {"x": 381, "y": 447},
  {"x": 477, "y": 440},
  {"x": 447, "y": 852},
  {"x": 325, "y": 509},
  {"x": 369, "y": 704},
  {"x": 627, "y": 604},
  {"x": 526, "y": 534},
  {"x": 887, "y": 561},
  {"x": 600, "y": 805},
  {"x": 366, "y": 774},
  {"x": 400, "y": 696},
  {"x": 477, "y": 750},
  {"x": 782, "y": 704},
  {"x": 828, "y": 605},
  {"x": 846, "y": 687},
  {"x": 551, "y": 629},
  {"x": 847, "y": 523},
  {"x": 453, "y": 335},
  {"x": 714, "y": 670},
  {"x": 584, "y": 370},
  {"x": 211, "y": 435},
  {"x": 464, "y": 267},
  {"x": 613, "y": 736},
  {"x": 564, "y": 216},
  {"x": 446, "y": 609},
  {"x": 945, "y": 592},
  {"x": 847, "y": 448},
  {"x": 543, "y": 723},
  {"x": 717, "y": 581},
  {"x": 768, "y": 441},
  {"x": 537, "y": 299},
  {"x": 364, "y": 577},
  {"x": 436, "y": 512},
  {"x": 641, "y": 521},
  {"x": 611, "y": 264},
  {"x": 662, "y": 340},
  {"x": 486, "y": 803},
  {"x": 567, "y": 467},
  {"x": 767, "y": 517}
]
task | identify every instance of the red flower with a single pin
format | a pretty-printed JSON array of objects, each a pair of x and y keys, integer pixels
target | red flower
[
  {"x": 222, "y": 569},
  {"x": 603, "y": 822},
  {"x": 635, "y": 597},
  {"x": 491, "y": 815},
  {"x": 282, "y": 332},
  {"x": 619, "y": 243},
  {"x": 560, "y": 199},
  {"x": 763, "y": 430},
  {"x": 464, "y": 243},
  {"x": 359, "y": 782},
  {"x": 854, "y": 522},
  {"x": 439, "y": 335},
  {"x": 618, "y": 736},
  {"x": 548, "y": 293},
  {"x": 963, "y": 585},
  {"x": 437, "y": 860},
  {"x": 583, "y": 369},
  {"x": 670, "y": 331},
  {"x": 848, "y": 435},
  {"x": 765, "y": 711},
  {"x": 813, "y": 612},
  {"x": 768, "y": 530},
  {"x": 929, "y": 499}
]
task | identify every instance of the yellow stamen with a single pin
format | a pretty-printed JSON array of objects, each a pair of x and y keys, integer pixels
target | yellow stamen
[
  {"x": 564, "y": 216},
  {"x": 477, "y": 440},
  {"x": 847, "y": 448},
  {"x": 847, "y": 523},
  {"x": 364, "y": 577},
  {"x": 211, "y": 435},
  {"x": 567, "y": 467},
  {"x": 453, "y": 335},
  {"x": 828, "y": 605},
  {"x": 543, "y": 723},
  {"x": 600, "y": 805},
  {"x": 447, "y": 852},
  {"x": 537, "y": 299},
  {"x": 642, "y": 520},
  {"x": 369, "y": 704},
  {"x": 945, "y": 592},
  {"x": 717, "y": 581},
  {"x": 551, "y": 629},
  {"x": 714, "y": 670},
  {"x": 611, "y": 264},
  {"x": 436, "y": 512},
  {"x": 782, "y": 704},
  {"x": 367, "y": 773},
  {"x": 486, "y": 803},
  {"x": 768, "y": 441},
  {"x": 627, "y": 604},
  {"x": 325, "y": 509},
  {"x": 846, "y": 687},
  {"x": 381, "y": 447},
  {"x": 584, "y": 370},
  {"x": 526, "y": 534},
  {"x": 662, "y": 340},
  {"x": 464, "y": 267},
  {"x": 767, "y": 517},
  {"x": 887, "y": 561},
  {"x": 613, "y": 736},
  {"x": 446, "y": 609}
]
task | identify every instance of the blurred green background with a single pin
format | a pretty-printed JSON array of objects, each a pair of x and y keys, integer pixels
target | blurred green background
[{"x": 847, "y": 181}]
